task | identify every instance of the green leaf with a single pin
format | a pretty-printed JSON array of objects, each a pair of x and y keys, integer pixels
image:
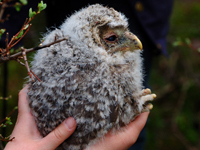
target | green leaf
[
  {"x": 26, "y": 27},
  {"x": 12, "y": 50},
  {"x": 2, "y": 31},
  {"x": 20, "y": 34},
  {"x": 10, "y": 123},
  {"x": 24, "y": 2},
  {"x": 178, "y": 42},
  {"x": 16, "y": 107},
  {"x": 187, "y": 41},
  {"x": 8, "y": 119},
  {"x": 41, "y": 6},
  {"x": 31, "y": 13},
  {"x": 18, "y": 6}
]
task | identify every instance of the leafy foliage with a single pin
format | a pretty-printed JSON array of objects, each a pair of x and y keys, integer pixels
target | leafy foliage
[
  {"x": 31, "y": 13},
  {"x": 2, "y": 31},
  {"x": 41, "y": 6},
  {"x": 24, "y": 2},
  {"x": 19, "y": 4},
  {"x": 5, "y": 52}
]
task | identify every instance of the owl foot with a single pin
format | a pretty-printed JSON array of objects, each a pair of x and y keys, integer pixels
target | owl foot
[{"x": 146, "y": 96}]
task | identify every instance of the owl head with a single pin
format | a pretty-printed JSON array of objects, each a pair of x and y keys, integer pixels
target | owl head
[{"x": 99, "y": 26}]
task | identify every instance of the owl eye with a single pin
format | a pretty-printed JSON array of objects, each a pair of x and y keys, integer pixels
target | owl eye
[{"x": 111, "y": 38}]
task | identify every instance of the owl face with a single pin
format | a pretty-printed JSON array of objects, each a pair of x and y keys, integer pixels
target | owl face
[{"x": 118, "y": 39}]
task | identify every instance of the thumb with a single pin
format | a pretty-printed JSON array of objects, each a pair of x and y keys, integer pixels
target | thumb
[{"x": 59, "y": 134}]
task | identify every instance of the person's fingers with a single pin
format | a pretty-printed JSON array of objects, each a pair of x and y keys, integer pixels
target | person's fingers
[
  {"x": 23, "y": 103},
  {"x": 122, "y": 140},
  {"x": 135, "y": 127},
  {"x": 25, "y": 121},
  {"x": 138, "y": 124},
  {"x": 23, "y": 108},
  {"x": 58, "y": 135}
]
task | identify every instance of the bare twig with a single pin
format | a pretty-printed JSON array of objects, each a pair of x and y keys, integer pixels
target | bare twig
[
  {"x": 5, "y": 98},
  {"x": 8, "y": 115},
  {"x": 30, "y": 70},
  {"x": 26, "y": 63},
  {"x": 15, "y": 39},
  {"x": 35, "y": 76},
  {"x": 7, "y": 37},
  {"x": 22, "y": 32},
  {"x": 21, "y": 36},
  {"x": 6, "y": 139},
  {"x": 17, "y": 55},
  {"x": 4, "y": 5}
]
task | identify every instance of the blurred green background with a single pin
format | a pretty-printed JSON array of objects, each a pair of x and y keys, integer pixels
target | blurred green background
[{"x": 174, "y": 122}]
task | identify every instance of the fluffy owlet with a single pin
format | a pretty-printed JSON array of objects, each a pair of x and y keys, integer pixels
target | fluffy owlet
[{"x": 95, "y": 76}]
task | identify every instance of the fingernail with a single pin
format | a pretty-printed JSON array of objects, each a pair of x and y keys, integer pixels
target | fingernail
[{"x": 70, "y": 123}]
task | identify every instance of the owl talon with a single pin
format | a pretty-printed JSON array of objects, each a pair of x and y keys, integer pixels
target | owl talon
[
  {"x": 150, "y": 106},
  {"x": 145, "y": 92},
  {"x": 154, "y": 96},
  {"x": 145, "y": 100},
  {"x": 147, "y": 108}
]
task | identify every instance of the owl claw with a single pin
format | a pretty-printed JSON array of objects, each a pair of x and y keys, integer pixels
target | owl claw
[
  {"x": 150, "y": 106},
  {"x": 154, "y": 95},
  {"x": 147, "y": 108},
  {"x": 146, "y": 96},
  {"x": 145, "y": 92}
]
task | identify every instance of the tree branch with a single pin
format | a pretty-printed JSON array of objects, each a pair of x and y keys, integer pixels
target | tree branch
[{"x": 17, "y": 55}]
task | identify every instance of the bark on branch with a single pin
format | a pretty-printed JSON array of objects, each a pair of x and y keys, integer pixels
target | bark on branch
[{"x": 17, "y": 55}]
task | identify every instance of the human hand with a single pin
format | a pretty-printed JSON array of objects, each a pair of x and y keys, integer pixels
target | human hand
[
  {"x": 123, "y": 139},
  {"x": 27, "y": 136}
]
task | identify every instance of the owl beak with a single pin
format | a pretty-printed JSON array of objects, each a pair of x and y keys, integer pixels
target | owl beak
[{"x": 133, "y": 41}]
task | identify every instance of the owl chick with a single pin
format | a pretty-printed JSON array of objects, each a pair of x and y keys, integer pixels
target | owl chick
[{"x": 94, "y": 76}]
